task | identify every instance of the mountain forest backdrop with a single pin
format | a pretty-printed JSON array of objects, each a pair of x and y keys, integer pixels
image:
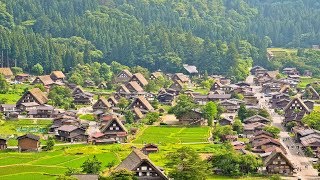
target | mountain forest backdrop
[{"x": 218, "y": 36}]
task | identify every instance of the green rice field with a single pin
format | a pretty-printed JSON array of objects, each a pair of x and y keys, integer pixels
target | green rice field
[
  {"x": 173, "y": 135},
  {"x": 12, "y": 128},
  {"x": 48, "y": 165},
  {"x": 306, "y": 80}
]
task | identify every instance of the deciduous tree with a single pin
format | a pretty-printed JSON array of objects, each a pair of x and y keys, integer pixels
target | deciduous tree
[{"x": 187, "y": 164}]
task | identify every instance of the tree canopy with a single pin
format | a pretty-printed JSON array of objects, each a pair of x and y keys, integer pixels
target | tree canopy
[
  {"x": 312, "y": 120},
  {"x": 187, "y": 164},
  {"x": 220, "y": 37},
  {"x": 235, "y": 164},
  {"x": 184, "y": 104}
]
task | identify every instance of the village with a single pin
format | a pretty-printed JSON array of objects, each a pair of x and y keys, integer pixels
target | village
[{"x": 265, "y": 113}]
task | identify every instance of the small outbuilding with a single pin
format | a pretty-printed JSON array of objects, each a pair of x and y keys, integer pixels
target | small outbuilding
[
  {"x": 150, "y": 148},
  {"x": 28, "y": 142}
]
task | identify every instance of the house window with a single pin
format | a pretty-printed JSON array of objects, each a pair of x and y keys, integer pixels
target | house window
[
  {"x": 111, "y": 128},
  {"x": 114, "y": 125},
  {"x": 275, "y": 162},
  {"x": 117, "y": 128},
  {"x": 144, "y": 168}
]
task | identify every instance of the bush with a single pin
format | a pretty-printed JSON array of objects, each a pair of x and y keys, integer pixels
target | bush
[
  {"x": 234, "y": 164},
  {"x": 50, "y": 144},
  {"x": 308, "y": 152},
  {"x": 151, "y": 118},
  {"x": 290, "y": 125}
]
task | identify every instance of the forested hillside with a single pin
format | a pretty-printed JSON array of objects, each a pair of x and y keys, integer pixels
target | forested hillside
[
  {"x": 219, "y": 36},
  {"x": 289, "y": 23}
]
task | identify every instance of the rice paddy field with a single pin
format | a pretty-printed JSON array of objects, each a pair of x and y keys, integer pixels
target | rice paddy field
[
  {"x": 282, "y": 52},
  {"x": 48, "y": 165},
  {"x": 306, "y": 80},
  {"x": 163, "y": 135},
  {"x": 12, "y": 128}
]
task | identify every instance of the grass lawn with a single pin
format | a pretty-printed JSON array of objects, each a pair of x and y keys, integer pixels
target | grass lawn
[
  {"x": 88, "y": 117},
  {"x": 14, "y": 94},
  {"x": 173, "y": 135},
  {"x": 96, "y": 90},
  {"x": 13, "y": 128},
  {"x": 201, "y": 91},
  {"x": 165, "y": 107},
  {"x": 306, "y": 80}
]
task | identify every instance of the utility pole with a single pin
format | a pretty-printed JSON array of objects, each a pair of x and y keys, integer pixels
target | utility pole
[
  {"x": 8, "y": 58},
  {"x": 2, "y": 60}
]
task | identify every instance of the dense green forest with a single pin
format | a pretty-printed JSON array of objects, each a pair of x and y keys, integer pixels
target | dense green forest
[
  {"x": 289, "y": 23},
  {"x": 219, "y": 36}
]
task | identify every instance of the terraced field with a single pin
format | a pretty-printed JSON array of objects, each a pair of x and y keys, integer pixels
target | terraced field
[{"x": 48, "y": 165}]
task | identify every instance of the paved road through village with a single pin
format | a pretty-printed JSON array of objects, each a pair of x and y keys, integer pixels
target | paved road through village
[{"x": 303, "y": 164}]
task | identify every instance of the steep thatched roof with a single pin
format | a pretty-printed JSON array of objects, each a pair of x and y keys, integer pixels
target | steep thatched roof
[
  {"x": 140, "y": 78},
  {"x": 135, "y": 158},
  {"x": 38, "y": 95},
  {"x": 6, "y": 71},
  {"x": 58, "y": 74}
]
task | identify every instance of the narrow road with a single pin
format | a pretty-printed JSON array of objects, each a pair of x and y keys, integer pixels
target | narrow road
[
  {"x": 59, "y": 144},
  {"x": 295, "y": 154}
]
